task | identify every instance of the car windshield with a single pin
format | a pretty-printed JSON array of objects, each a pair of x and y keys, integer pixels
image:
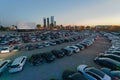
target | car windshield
[
  {"x": 72, "y": 47},
  {"x": 14, "y": 66},
  {"x": 96, "y": 71},
  {"x": 79, "y": 45}
]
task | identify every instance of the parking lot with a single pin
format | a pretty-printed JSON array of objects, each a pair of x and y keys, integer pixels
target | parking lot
[{"x": 54, "y": 70}]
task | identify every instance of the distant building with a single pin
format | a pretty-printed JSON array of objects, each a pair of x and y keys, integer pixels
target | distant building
[
  {"x": 54, "y": 23},
  {"x": 26, "y": 25},
  {"x": 52, "y": 20},
  {"x": 44, "y": 22},
  {"x": 48, "y": 24}
]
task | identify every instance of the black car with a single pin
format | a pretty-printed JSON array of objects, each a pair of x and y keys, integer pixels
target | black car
[
  {"x": 36, "y": 59},
  {"x": 38, "y": 46},
  {"x": 66, "y": 40},
  {"x": 58, "y": 42},
  {"x": 71, "y": 39},
  {"x": 67, "y": 52},
  {"x": 29, "y": 47},
  {"x": 84, "y": 44},
  {"x": 58, "y": 53},
  {"x": 116, "y": 53},
  {"x": 49, "y": 57},
  {"x": 16, "y": 48},
  {"x": 112, "y": 56},
  {"x": 81, "y": 47},
  {"x": 71, "y": 75},
  {"x": 62, "y": 40},
  {"x": 107, "y": 62},
  {"x": 115, "y": 75}
]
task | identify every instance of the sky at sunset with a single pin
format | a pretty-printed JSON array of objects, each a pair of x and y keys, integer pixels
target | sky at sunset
[{"x": 74, "y": 12}]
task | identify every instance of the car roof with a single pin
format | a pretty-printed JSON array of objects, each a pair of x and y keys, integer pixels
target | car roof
[
  {"x": 95, "y": 71},
  {"x": 110, "y": 60},
  {"x": 18, "y": 60},
  {"x": 111, "y": 55}
]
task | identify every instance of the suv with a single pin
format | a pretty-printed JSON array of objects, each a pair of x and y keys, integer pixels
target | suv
[
  {"x": 58, "y": 53},
  {"x": 115, "y": 75},
  {"x": 67, "y": 51},
  {"x": 36, "y": 59},
  {"x": 107, "y": 62},
  {"x": 49, "y": 57},
  {"x": 6, "y": 49},
  {"x": 71, "y": 75},
  {"x": 111, "y": 56},
  {"x": 17, "y": 64},
  {"x": 92, "y": 73}
]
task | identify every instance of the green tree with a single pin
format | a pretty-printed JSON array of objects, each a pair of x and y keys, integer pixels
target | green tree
[
  {"x": 38, "y": 26},
  {"x": 2, "y": 28}
]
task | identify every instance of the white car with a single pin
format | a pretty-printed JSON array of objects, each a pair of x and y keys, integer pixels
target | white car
[
  {"x": 17, "y": 64},
  {"x": 46, "y": 44},
  {"x": 6, "y": 49},
  {"x": 4, "y": 42},
  {"x": 3, "y": 65},
  {"x": 74, "y": 48},
  {"x": 92, "y": 73}
]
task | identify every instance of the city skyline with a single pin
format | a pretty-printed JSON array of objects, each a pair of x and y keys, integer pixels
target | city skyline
[{"x": 66, "y": 12}]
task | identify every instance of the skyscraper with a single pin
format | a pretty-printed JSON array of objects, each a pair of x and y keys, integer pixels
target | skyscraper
[
  {"x": 44, "y": 22},
  {"x": 55, "y": 23},
  {"x": 52, "y": 20},
  {"x": 48, "y": 25}
]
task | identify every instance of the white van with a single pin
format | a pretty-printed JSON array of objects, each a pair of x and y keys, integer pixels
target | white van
[
  {"x": 6, "y": 49},
  {"x": 17, "y": 64}
]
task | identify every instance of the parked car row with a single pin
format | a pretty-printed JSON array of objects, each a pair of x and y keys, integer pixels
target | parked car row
[
  {"x": 52, "y": 43},
  {"x": 37, "y": 36},
  {"x": 39, "y": 58},
  {"x": 110, "y": 71},
  {"x": 39, "y": 45},
  {"x": 13, "y": 66},
  {"x": 110, "y": 59},
  {"x": 113, "y": 38},
  {"x": 85, "y": 72}
]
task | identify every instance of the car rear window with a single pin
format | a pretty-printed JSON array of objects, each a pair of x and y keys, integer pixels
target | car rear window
[
  {"x": 93, "y": 75},
  {"x": 96, "y": 71},
  {"x": 22, "y": 60}
]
